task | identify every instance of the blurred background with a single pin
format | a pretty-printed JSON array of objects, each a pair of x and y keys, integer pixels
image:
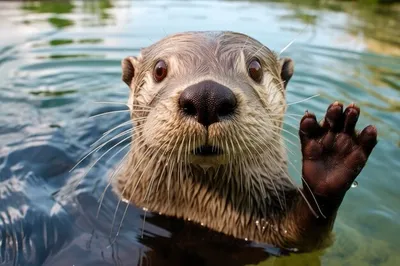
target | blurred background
[{"x": 59, "y": 57}]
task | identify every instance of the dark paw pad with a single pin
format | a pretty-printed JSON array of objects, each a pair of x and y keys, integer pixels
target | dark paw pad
[{"x": 333, "y": 152}]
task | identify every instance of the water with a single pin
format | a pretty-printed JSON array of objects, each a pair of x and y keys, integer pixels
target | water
[{"x": 58, "y": 58}]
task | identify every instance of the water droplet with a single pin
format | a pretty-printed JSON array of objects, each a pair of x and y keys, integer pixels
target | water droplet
[
  {"x": 189, "y": 219},
  {"x": 257, "y": 222},
  {"x": 355, "y": 184},
  {"x": 246, "y": 239},
  {"x": 145, "y": 209},
  {"x": 285, "y": 231},
  {"x": 160, "y": 213},
  {"x": 201, "y": 224}
]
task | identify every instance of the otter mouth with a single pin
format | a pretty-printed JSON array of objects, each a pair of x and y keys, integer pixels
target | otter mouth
[{"x": 207, "y": 150}]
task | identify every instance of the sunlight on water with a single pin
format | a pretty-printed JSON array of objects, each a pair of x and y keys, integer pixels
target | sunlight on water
[{"x": 57, "y": 58}]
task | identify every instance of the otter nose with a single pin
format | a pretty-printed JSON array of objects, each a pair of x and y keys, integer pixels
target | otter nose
[{"x": 208, "y": 101}]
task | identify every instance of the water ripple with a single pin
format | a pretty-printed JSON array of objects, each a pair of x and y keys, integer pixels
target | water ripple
[{"x": 61, "y": 57}]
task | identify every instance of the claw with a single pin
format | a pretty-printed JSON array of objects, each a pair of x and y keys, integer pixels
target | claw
[
  {"x": 351, "y": 115},
  {"x": 309, "y": 125},
  {"x": 333, "y": 118}
]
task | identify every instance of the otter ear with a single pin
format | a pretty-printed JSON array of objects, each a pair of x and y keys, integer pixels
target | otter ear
[
  {"x": 287, "y": 69},
  {"x": 128, "y": 69}
]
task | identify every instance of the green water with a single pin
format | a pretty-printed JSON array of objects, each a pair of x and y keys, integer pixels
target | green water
[{"x": 58, "y": 57}]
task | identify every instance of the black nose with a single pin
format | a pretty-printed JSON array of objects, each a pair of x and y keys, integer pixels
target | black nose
[{"x": 208, "y": 101}]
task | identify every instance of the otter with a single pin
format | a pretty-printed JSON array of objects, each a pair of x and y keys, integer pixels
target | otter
[{"x": 208, "y": 110}]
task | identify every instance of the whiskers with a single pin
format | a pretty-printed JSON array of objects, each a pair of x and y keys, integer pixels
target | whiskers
[
  {"x": 150, "y": 162},
  {"x": 110, "y": 112},
  {"x": 112, "y": 145},
  {"x": 293, "y": 116},
  {"x": 292, "y": 41},
  {"x": 303, "y": 100}
]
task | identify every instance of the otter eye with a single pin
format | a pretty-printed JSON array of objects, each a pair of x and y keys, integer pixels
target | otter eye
[
  {"x": 255, "y": 70},
  {"x": 160, "y": 71}
]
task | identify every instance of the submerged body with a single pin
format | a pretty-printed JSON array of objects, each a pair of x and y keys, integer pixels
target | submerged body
[{"x": 208, "y": 110}]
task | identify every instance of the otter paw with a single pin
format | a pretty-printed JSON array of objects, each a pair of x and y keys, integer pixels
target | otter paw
[{"x": 333, "y": 152}]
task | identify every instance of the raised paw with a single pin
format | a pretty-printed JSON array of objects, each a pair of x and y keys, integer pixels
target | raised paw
[{"x": 333, "y": 152}]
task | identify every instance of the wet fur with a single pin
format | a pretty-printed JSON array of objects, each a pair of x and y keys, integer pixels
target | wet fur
[
  {"x": 247, "y": 192},
  {"x": 250, "y": 184}
]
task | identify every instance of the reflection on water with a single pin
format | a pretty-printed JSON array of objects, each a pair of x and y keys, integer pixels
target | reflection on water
[
  {"x": 58, "y": 8},
  {"x": 51, "y": 7},
  {"x": 61, "y": 56},
  {"x": 373, "y": 25}
]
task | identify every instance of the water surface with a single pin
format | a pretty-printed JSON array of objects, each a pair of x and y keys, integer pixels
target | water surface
[{"x": 57, "y": 58}]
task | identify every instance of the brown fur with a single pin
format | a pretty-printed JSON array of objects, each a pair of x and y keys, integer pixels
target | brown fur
[{"x": 246, "y": 192}]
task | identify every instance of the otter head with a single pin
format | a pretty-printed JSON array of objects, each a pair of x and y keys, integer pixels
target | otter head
[{"x": 208, "y": 100}]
